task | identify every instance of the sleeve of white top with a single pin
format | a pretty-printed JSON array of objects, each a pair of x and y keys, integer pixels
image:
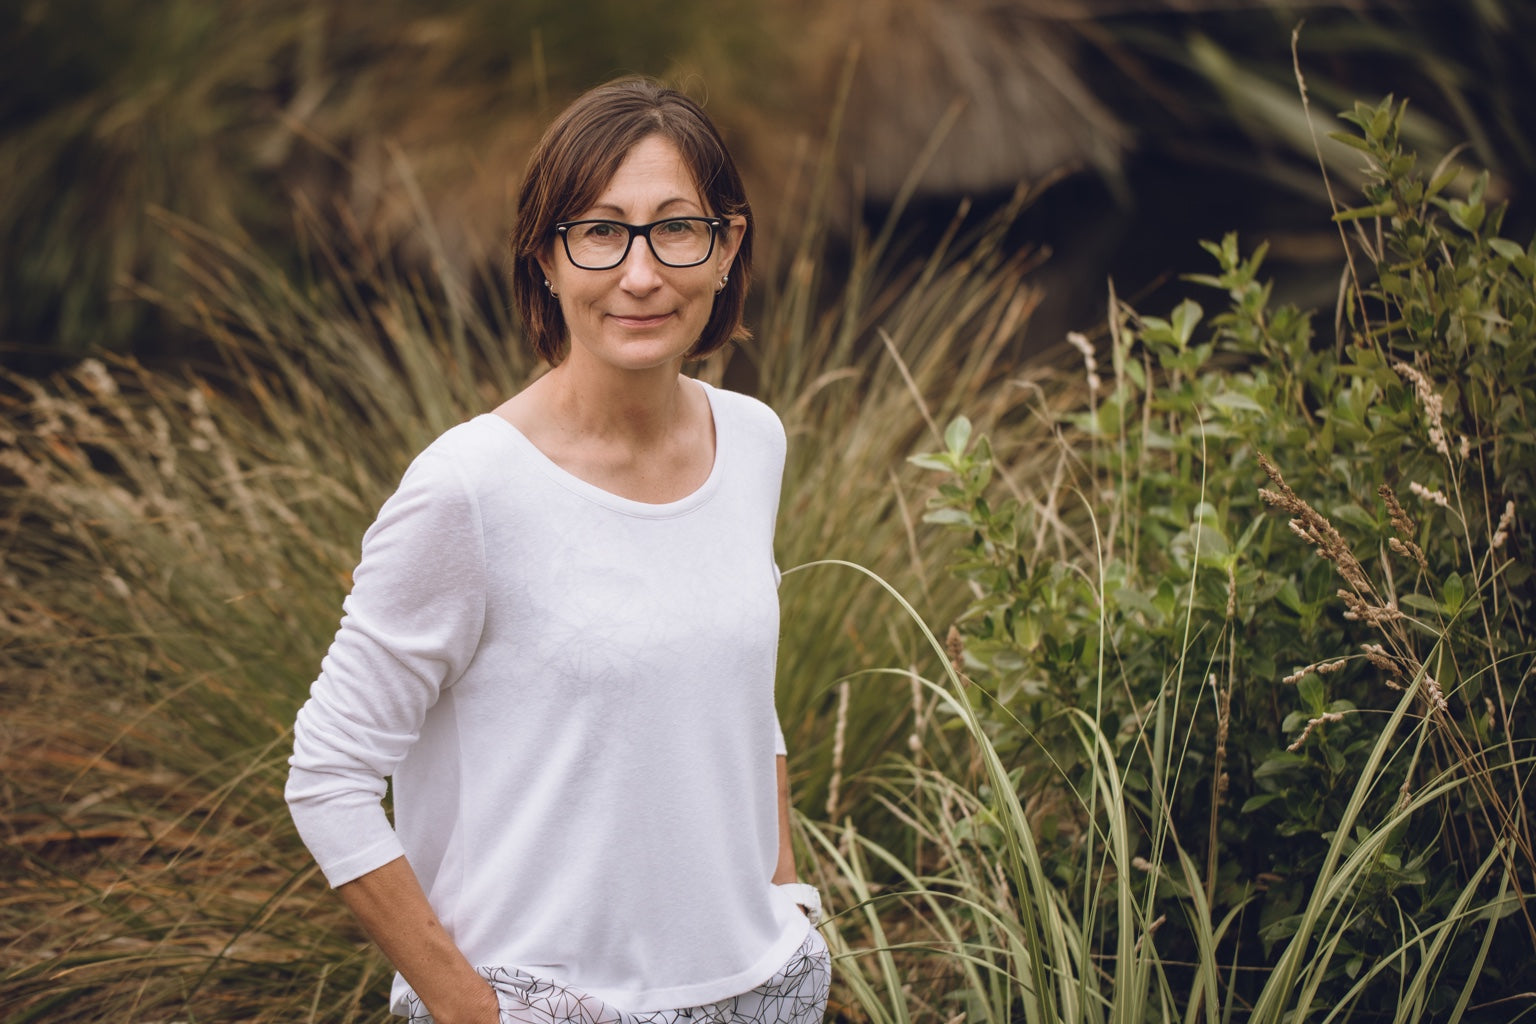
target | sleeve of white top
[
  {"x": 409, "y": 628},
  {"x": 778, "y": 440},
  {"x": 779, "y": 746}
]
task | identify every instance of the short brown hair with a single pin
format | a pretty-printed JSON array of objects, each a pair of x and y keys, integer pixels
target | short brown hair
[{"x": 577, "y": 158}]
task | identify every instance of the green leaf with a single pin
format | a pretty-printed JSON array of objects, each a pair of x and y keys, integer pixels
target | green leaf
[
  {"x": 1186, "y": 317},
  {"x": 1350, "y": 139},
  {"x": 1505, "y": 248},
  {"x": 949, "y": 517},
  {"x": 1213, "y": 549},
  {"x": 1311, "y": 690},
  {"x": 1383, "y": 209},
  {"x": 1381, "y": 122},
  {"x": 1279, "y": 764},
  {"x": 958, "y": 435},
  {"x": 1443, "y": 180},
  {"x": 1257, "y": 801},
  {"x": 1236, "y": 400},
  {"x": 1355, "y": 516},
  {"x": 1335, "y": 760},
  {"x": 1289, "y": 596},
  {"x": 1468, "y": 216},
  {"x": 1133, "y": 600},
  {"x": 1454, "y": 592},
  {"x": 932, "y": 460}
]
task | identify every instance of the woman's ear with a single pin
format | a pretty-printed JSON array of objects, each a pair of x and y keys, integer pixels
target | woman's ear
[{"x": 730, "y": 241}]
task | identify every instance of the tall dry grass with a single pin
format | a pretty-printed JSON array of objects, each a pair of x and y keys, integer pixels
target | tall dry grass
[{"x": 175, "y": 545}]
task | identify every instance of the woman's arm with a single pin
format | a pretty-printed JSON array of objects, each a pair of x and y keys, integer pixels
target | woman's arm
[
  {"x": 785, "y": 871},
  {"x": 785, "y": 874},
  {"x": 412, "y": 623},
  {"x": 394, "y": 911}
]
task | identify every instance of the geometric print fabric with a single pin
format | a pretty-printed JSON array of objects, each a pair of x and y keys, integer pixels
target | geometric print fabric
[{"x": 797, "y": 994}]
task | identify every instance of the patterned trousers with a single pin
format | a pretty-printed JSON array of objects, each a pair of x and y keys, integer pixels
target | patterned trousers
[{"x": 797, "y": 994}]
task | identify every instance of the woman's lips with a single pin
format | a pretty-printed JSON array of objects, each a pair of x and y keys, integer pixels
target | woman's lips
[{"x": 641, "y": 321}]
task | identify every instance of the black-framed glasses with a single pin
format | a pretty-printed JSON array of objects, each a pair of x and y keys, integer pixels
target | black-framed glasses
[{"x": 604, "y": 244}]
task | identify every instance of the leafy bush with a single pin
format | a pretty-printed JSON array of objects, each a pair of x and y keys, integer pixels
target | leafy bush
[{"x": 1284, "y": 698}]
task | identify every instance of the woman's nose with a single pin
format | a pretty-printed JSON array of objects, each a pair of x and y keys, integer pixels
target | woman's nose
[{"x": 642, "y": 270}]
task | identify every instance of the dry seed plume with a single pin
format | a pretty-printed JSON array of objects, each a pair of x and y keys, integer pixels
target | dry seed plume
[
  {"x": 1403, "y": 544},
  {"x": 1378, "y": 656},
  {"x": 954, "y": 647},
  {"x": 1432, "y": 404},
  {"x": 1090, "y": 363},
  {"x": 1360, "y": 599},
  {"x": 1313, "y": 723},
  {"x": 1434, "y": 694},
  {"x": 839, "y": 737},
  {"x": 1361, "y": 610},
  {"x": 1432, "y": 496},
  {"x": 1313, "y": 527},
  {"x": 1506, "y": 521},
  {"x": 1322, "y": 668}
]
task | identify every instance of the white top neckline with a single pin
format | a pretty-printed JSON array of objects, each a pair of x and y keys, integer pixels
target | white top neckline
[{"x": 617, "y": 502}]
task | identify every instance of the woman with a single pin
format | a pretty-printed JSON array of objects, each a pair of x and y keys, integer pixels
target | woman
[{"x": 561, "y": 636}]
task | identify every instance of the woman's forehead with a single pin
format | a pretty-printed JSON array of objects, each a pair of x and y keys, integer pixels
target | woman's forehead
[{"x": 653, "y": 176}]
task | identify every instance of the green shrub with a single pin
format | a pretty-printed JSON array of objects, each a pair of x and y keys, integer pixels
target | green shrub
[{"x": 1283, "y": 696}]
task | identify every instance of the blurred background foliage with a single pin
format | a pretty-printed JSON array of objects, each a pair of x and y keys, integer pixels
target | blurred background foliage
[
  {"x": 276, "y": 225},
  {"x": 1160, "y": 122}
]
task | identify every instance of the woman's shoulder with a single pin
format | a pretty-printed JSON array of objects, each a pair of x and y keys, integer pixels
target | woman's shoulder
[
  {"x": 463, "y": 452},
  {"x": 751, "y": 413},
  {"x": 475, "y": 437}
]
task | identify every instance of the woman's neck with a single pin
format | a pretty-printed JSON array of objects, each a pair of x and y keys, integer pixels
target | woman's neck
[{"x": 601, "y": 402}]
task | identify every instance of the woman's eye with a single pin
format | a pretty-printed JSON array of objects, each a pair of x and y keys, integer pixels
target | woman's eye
[
  {"x": 602, "y": 230},
  {"x": 684, "y": 227}
]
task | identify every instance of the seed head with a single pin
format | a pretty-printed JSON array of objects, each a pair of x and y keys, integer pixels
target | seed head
[
  {"x": 1322, "y": 668},
  {"x": 1401, "y": 521},
  {"x": 1090, "y": 362},
  {"x": 1378, "y": 656},
  {"x": 95, "y": 377},
  {"x": 1433, "y": 497},
  {"x": 1507, "y": 520},
  {"x": 1313, "y": 527},
  {"x": 1313, "y": 723},
  {"x": 1433, "y": 695},
  {"x": 1361, "y": 610},
  {"x": 1409, "y": 550},
  {"x": 1432, "y": 404}
]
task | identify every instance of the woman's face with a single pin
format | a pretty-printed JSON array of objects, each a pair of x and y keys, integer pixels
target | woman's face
[{"x": 641, "y": 314}]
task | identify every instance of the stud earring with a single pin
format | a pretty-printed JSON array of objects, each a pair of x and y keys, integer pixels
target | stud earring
[
  {"x": 723, "y": 279},
  {"x": 552, "y": 293}
]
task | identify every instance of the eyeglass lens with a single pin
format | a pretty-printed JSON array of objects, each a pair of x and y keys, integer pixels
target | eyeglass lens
[{"x": 602, "y": 244}]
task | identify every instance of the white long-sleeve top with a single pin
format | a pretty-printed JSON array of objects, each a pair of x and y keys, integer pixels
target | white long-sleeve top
[{"x": 573, "y": 694}]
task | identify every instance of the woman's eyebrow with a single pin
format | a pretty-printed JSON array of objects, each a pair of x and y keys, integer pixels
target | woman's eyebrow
[{"x": 663, "y": 208}]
